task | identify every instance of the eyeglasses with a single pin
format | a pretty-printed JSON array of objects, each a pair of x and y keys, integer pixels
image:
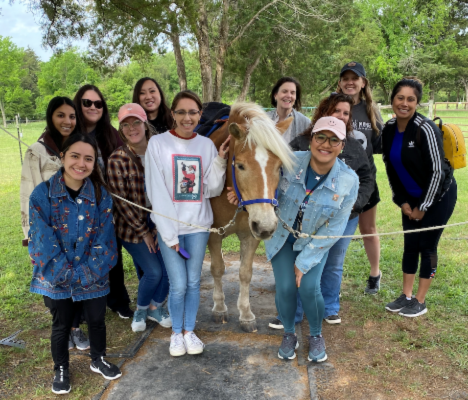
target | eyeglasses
[
  {"x": 88, "y": 103},
  {"x": 135, "y": 125},
  {"x": 321, "y": 138},
  {"x": 183, "y": 113}
]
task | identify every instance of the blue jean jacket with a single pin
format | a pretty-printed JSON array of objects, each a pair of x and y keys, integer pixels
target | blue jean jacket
[
  {"x": 326, "y": 214},
  {"x": 72, "y": 244}
]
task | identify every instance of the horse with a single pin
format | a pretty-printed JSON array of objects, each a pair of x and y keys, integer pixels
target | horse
[{"x": 259, "y": 152}]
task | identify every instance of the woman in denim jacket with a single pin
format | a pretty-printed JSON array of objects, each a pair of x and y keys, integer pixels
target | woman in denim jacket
[
  {"x": 316, "y": 198},
  {"x": 72, "y": 247}
]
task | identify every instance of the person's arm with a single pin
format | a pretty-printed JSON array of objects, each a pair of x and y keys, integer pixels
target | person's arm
[
  {"x": 117, "y": 176},
  {"x": 432, "y": 153},
  {"x": 315, "y": 250},
  {"x": 159, "y": 196},
  {"x": 366, "y": 180},
  {"x": 45, "y": 249},
  {"x": 215, "y": 175},
  {"x": 103, "y": 253}
]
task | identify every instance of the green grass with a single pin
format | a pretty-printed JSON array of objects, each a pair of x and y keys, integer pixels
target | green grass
[{"x": 443, "y": 329}]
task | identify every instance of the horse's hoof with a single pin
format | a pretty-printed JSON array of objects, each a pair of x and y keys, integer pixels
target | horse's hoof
[
  {"x": 249, "y": 326},
  {"x": 220, "y": 317}
]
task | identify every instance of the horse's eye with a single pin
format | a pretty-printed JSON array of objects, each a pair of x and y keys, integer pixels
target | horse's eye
[{"x": 241, "y": 167}]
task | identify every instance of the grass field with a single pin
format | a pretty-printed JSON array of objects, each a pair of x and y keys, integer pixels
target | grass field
[{"x": 401, "y": 351}]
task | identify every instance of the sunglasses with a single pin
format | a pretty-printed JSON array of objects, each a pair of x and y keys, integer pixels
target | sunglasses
[
  {"x": 88, "y": 103},
  {"x": 321, "y": 138}
]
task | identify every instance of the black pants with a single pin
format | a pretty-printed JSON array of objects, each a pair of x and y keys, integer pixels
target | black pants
[
  {"x": 425, "y": 243},
  {"x": 118, "y": 296},
  {"x": 62, "y": 319}
]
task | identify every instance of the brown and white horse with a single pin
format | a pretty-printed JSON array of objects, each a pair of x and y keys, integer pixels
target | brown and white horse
[{"x": 259, "y": 152}]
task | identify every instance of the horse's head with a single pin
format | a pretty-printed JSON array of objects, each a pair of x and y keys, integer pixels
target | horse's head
[{"x": 260, "y": 152}]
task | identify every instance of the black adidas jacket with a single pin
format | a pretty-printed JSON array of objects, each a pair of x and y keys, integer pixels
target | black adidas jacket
[
  {"x": 424, "y": 161},
  {"x": 356, "y": 158}
]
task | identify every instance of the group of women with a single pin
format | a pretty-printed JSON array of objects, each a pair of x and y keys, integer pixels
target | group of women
[{"x": 77, "y": 177}]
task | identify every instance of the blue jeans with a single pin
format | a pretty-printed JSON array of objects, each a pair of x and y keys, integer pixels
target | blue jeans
[
  {"x": 154, "y": 283},
  {"x": 184, "y": 278},
  {"x": 333, "y": 270},
  {"x": 331, "y": 275}
]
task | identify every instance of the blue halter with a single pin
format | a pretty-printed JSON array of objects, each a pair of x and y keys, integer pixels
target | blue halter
[{"x": 243, "y": 203}]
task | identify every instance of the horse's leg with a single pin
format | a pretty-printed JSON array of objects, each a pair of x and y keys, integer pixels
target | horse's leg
[
  {"x": 220, "y": 313},
  {"x": 248, "y": 246}
]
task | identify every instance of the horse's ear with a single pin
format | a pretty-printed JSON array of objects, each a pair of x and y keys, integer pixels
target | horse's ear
[
  {"x": 236, "y": 131},
  {"x": 284, "y": 125}
]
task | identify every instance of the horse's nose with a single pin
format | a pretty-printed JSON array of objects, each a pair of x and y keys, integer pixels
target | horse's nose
[{"x": 263, "y": 231}]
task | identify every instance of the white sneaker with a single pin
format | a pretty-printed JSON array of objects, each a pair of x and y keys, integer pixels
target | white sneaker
[
  {"x": 193, "y": 344},
  {"x": 177, "y": 347},
  {"x": 139, "y": 320}
]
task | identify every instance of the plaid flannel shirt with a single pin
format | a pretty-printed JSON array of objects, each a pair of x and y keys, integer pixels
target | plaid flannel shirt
[{"x": 127, "y": 181}]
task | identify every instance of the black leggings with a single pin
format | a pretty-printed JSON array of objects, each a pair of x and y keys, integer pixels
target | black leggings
[
  {"x": 62, "y": 319},
  {"x": 425, "y": 243}
]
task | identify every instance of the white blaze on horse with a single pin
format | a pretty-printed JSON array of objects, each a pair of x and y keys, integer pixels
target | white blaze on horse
[{"x": 259, "y": 152}]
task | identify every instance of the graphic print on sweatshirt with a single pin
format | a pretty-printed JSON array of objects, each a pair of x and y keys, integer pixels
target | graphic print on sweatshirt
[{"x": 187, "y": 177}]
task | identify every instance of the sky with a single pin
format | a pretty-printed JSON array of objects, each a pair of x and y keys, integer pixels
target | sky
[{"x": 23, "y": 28}]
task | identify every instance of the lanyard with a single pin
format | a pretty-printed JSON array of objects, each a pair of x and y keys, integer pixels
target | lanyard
[{"x": 302, "y": 207}]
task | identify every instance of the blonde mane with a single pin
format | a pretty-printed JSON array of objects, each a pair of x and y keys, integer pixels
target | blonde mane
[{"x": 262, "y": 132}]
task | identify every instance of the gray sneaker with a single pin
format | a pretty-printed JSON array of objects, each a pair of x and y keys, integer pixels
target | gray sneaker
[
  {"x": 288, "y": 345},
  {"x": 398, "y": 304},
  {"x": 71, "y": 345},
  {"x": 373, "y": 284},
  {"x": 413, "y": 309},
  {"x": 79, "y": 339},
  {"x": 317, "y": 349},
  {"x": 161, "y": 316}
]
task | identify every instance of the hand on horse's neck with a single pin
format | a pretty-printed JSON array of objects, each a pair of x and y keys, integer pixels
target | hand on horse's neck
[
  {"x": 321, "y": 168},
  {"x": 283, "y": 113}
]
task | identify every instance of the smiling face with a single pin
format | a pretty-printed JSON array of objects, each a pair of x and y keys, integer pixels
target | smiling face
[
  {"x": 323, "y": 154},
  {"x": 149, "y": 97},
  {"x": 64, "y": 120},
  {"x": 91, "y": 114},
  {"x": 404, "y": 103},
  {"x": 134, "y": 131},
  {"x": 185, "y": 124},
  {"x": 351, "y": 84},
  {"x": 286, "y": 96},
  {"x": 78, "y": 162},
  {"x": 342, "y": 111}
]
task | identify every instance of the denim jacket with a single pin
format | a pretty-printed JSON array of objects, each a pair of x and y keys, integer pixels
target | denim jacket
[
  {"x": 326, "y": 214},
  {"x": 72, "y": 244}
]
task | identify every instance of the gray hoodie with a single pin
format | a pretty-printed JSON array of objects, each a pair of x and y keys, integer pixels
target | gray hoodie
[{"x": 299, "y": 125}]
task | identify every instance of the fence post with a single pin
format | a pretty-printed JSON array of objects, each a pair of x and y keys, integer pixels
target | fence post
[
  {"x": 431, "y": 111},
  {"x": 19, "y": 138}
]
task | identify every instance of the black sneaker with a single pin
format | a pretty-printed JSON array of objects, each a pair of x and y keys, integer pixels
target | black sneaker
[
  {"x": 125, "y": 312},
  {"x": 288, "y": 345},
  {"x": 333, "y": 319},
  {"x": 373, "y": 284},
  {"x": 413, "y": 309},
  {"x": 398, "y": 304},
  {"x": 275, "y": 323},
  {"x": 106, "y": 369},
  {"x": 61, "y": 383}
]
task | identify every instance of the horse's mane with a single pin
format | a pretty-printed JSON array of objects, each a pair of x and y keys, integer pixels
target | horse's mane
[{"x": 262, "y": 132}]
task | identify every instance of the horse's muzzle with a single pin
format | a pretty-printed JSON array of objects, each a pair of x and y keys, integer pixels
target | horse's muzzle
[{"x": 263, "y": 231}]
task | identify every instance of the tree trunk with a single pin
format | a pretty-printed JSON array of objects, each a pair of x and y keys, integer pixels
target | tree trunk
[
  {"x": 201, "y": 34},
  {"x": 458, "y": 97},
  {"x": 2, "y": 107},
  {"x": 431, "y": 92},
  {"x": 465, "y": 83},
  {"x": 222, "y": 48},
  {"x": 248, "y": 75},
  {"x": 178, "y": 57}
]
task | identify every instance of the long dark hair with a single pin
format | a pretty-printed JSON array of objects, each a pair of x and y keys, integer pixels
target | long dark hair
[
  {"x": 105, "y": 134},
  {"x": 95, "y": 177},
  {"x": 297, "y": 104},
  {"x": 55, "y": 103},
  {"x": 163, "y": 110}
]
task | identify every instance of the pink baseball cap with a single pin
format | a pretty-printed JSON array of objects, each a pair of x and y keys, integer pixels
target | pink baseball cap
[
  {"x": 132, "y": 110},
  {"x": 331, "y": 124}
]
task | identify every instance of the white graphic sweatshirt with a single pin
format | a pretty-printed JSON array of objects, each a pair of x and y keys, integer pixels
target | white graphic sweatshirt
[{"x": 181, "y": 175}]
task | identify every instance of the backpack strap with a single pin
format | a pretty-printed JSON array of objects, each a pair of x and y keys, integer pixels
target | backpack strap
[
  {"x": 49, "y": 149},
  {"x": 136, "y": 160}
]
